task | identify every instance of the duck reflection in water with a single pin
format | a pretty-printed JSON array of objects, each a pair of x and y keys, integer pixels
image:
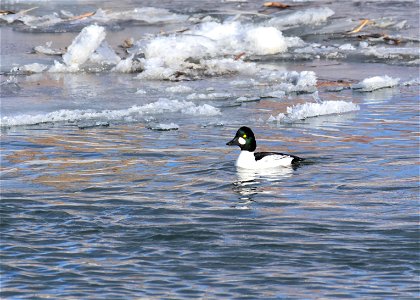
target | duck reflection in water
[{"x": 252, "y": 182}]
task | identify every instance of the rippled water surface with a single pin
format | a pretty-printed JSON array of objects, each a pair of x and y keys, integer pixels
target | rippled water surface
[
  {"x": 114, "y": 206},
  {"x": 140, "y": 213}
]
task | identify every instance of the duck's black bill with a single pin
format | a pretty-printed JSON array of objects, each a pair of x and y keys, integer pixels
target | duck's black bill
[{"x": 233, "y": 142}]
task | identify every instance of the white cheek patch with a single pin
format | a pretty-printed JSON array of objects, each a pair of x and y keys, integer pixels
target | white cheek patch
[{"x": 241, "y": 141}]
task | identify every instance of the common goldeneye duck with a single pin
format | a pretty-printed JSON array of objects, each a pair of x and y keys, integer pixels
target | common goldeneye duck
[{"x": 249, "y": 159}]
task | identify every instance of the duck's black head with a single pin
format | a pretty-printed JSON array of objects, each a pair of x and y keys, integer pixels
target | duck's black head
[{"x": 245, "y": 139}]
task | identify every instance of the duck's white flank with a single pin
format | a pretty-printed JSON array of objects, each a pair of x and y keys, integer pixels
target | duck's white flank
[{"x": 247, "y": 160}]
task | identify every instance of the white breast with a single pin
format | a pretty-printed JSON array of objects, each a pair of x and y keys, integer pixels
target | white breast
[{"x": 246, "y": 160}]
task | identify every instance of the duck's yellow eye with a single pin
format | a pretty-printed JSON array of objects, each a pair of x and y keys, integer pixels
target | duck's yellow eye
[{"x": 244, "y": 136}]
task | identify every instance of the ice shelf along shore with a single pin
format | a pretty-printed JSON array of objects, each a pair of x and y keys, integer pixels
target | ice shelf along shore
[{"x": 249, "y": 55}]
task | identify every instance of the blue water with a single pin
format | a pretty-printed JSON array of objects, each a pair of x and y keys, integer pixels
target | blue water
[
  {"x": 129, "y": 212},
  {"x": 116, "y": 209}
]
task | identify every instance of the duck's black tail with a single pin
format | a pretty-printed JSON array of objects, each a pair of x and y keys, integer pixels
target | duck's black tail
[{"x": 297, "y": 160}]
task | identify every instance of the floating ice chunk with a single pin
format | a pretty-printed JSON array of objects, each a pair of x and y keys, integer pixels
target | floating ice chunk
[
  {"x": 336, "y": 25},
  {"x": 203, "y": 51},
  {"x": 280, "y": 117},
  {"x": 226, "y": 34},
  {"x": 305, "y": 79},
  {"x": 10, "y": 18},
  {"x": 90, "y": 46},
  {"x": 174, "y": 50},
  {"x": 165, "y": 56},
  {"x": 186, "y": 107},
  {"x": 412, "y": 82},
  {"x": 159, "y": 107},
  {"x": 84, "y": 45},
  {"x": 231, "y": 37},
  {"x": 389, "y": 22},
  {"x": 243, "y": 83},
  {"x": 247, "y": 99},
  {"x": 146, "y": 14},
  {"x": 265, "y": 40},
  {"x": 414, "y": 62},
  {"x": 140, "y": 92},
  {"x": 104, "y": 54},
  {"x": 195, "y": 96},
  {"x": 311, "y": 16},
  {"x": 398, "y": 53},
  {"x": 330, "y": 52},
  {"x": 47, "y": 50},
  {"x": 363, "y": 45},
  {"x": 32, "y": 68},
  {"x": 158, "y": 69},
  {"x": 309, "y": 110},
  {"x": 93, "y": 125},
  {"x": 32, "y": 21},
  {"x": 242, "y": 99},
  {"x": 375, "y": 83},
  {"x": 347, "y": 47},
  {"x": 164, "y": 127},
  {"x": 293, "y": 82},
  {"x": 294, "y": 41},
  {"x": 201, "y": 110},
  {"x": 228, "y": 66},
  {"x": 9, "y": 86},
  {"x": 124, "y": 65},
  {"x": 63, "y": 68},
  {"x": 179, "y": 89},
  {"x": 276, "y": 94}
]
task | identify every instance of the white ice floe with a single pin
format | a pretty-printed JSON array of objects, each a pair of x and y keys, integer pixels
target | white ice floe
[
  {"x": 389, "y": 23},
  {"x": 397, "y": 53},
  {"x": 179, "y": 89},
  {"x": 32, "y": 21},
  {"x": 247, "y": 99},
  {"x": 209, "y": 50},
  {"x": 84, "y": 45},
  {"x": 292, "y": 82},
  {"x": 31, "y": 68},
  {"x": 310, "y": 16},
  {"x": 90, "y": 48},
  {"x": 127, "y": 65},
  {"x": 47, "y": 50},
  {"x": 309, "y": 110},
  {"x": 211, "y": 96},
  {"x": 149, "y": 15},
  {"x": 104, "y": 54},
  {"x": 276, "y": 94},
  {"x": 233, "y": 37},
  {"x": 133, "y": 113},
  {"x": 264, "y": 40},
  {"x": 347, "y": 47},
  {"x": 164, "y": 127},
  {"x": 375, "y": 53},
  {"x": 375, "y": 83},
  {"x": 140, "y": 92},
  {"x": 82, "y": 48},
  {"x": 411, "y": 82},
  {"x": 330, "y": 52}
]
